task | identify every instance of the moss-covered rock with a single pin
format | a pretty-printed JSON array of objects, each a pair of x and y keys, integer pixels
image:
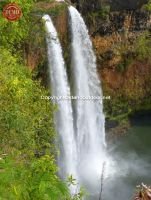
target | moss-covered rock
[{"x": 124, "y": 66}]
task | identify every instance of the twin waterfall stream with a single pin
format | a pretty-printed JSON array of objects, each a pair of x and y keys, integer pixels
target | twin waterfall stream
[{"x": 80, "y": 123}]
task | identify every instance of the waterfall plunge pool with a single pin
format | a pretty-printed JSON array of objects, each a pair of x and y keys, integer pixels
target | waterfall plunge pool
[{"x": 129, "y": 162}]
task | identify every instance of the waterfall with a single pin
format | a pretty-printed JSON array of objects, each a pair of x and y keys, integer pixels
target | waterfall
[
  {"x": 88, "y": 114},
  {"x": 63, "y": 116},
  {"x": 80, "y": 124}
]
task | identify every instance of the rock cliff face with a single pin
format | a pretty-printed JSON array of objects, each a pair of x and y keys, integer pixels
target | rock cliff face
[
  {"x": 127, "y": 5},
  {"x": 116, "y": 5},
  {"x": 105, "y": 16},
  {"x": 116, "y": 27},
  {"x": 120, "y": 33},
  {"x": 120, "y": 21}
]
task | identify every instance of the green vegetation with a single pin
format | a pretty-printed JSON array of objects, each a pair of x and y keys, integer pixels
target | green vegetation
[
  {"x": 30, "y": 180},
  {"x": 139, "y": 50},
  {"x": 143, "y": 46},
  {"x": 27, "y": 164},
  {"x": 104, "y": 12},
  {"x": 53, "y": 11},
  {"x": 148, "y": 6},
  {"x": 134, "y": 96},
  {"x": 93, "y": 17},
  {"x": 28, "y": 168},
  {"x": 12, "y": 34},
  {"x": 118, "y": 108},
  {"x": 24, "y": 115},
  {"x": 122, "y": 66}
]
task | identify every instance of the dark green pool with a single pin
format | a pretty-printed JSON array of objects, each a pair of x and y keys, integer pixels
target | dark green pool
[{"x": 131, "y": 156}]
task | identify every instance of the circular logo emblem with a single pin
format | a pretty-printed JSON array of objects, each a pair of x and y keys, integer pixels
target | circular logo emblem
[{"x": 12, "y": 12}]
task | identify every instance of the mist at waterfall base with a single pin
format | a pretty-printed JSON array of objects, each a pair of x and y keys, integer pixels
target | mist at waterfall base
[
  {"x": 81, "y": 126},
  {"x": 131, "y": 161}
]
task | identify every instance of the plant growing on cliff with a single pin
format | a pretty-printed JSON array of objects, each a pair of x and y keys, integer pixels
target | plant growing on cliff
[
  {"x": 143, "y": 46},
  {"x": 104, "y": 12},
  {"x": 148, "y": 6}
]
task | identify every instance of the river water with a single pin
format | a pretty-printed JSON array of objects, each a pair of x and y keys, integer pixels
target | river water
[
  {"x": 128, "y": 164},
  {"x": 131, "y": 161}
]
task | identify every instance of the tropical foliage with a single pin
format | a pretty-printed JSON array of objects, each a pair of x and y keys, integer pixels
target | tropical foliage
[
  {"x": 28, "y": 169},
  {"x": 13, "y": 33},
  {"x": 27, "y": 153}
]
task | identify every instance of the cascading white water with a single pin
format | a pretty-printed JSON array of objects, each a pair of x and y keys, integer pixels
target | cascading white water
[
  {"x": 90, "y": 120},
  {"x": 82, "y": 140},
  {"x": 63, "y": 117}
]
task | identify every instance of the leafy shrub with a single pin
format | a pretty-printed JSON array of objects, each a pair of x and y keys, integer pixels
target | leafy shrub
[
  {"x": 104, "y": 12},
  {"x": 148, "y": 6},
  {"x": 35, "y": 179},
  {"x": 143, "y": 46},
  {"x": 26, "y": 120},
  {"x": 12, "y": 34},
  {"x": 28, "y": 170}
]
